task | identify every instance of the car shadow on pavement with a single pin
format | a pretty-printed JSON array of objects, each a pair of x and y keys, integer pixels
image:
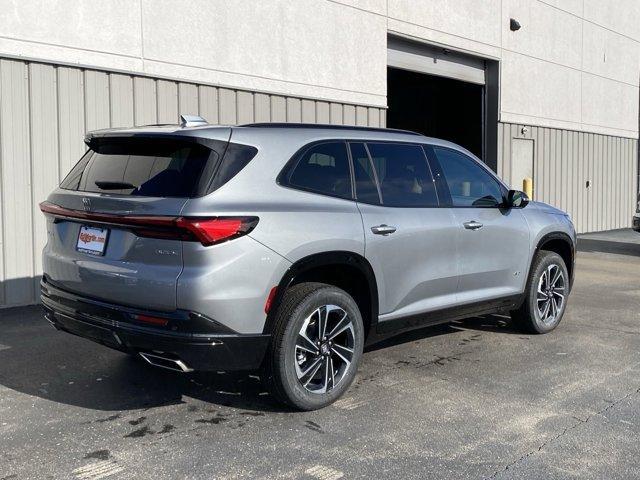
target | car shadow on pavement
[{"x": 37, "y": 360}]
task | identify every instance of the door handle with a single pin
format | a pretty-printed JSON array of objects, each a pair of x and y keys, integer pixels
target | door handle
[
  {"x": 383, "y": 229},
  {"x": 472, "y": 225}
]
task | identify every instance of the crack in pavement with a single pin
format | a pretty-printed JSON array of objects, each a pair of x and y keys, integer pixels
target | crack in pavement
[{"x": 578, "y": 423}]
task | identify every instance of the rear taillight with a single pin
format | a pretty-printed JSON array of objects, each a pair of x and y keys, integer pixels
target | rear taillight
[
  {"x": 206, "y": 230},
  {"x": 217, "y": 229}
]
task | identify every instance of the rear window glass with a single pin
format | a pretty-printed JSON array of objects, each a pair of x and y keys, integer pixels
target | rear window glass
[{"x": 155, "y": 167}]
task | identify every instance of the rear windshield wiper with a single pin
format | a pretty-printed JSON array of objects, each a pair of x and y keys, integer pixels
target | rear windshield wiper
[{"x": 110, "y": 185}]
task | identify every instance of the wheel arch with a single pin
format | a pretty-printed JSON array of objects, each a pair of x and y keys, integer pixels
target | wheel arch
[
  {"x": 560, "y": 243},
  {"x": 343, "y": 269}
]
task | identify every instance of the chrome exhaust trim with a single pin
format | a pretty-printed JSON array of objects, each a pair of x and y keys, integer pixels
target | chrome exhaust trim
[{"x": 158, "y": 360}]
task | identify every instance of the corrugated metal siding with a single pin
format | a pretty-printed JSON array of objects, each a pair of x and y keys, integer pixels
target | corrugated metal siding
[
  {"x": 45, "y": 111},
  {"x": 564, "y": 161}
]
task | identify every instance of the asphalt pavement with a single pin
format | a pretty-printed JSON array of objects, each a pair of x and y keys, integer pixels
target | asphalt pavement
[{"x": 471, "y": 399}]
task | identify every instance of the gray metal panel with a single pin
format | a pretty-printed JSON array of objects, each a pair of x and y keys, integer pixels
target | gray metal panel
[
  {"x": 43, "y": 114},
  {"x": 361, "y": 116},
  {"x": 373, "y": 115},
  {"x": 349, "y": 114},
  {"x": 17, "y": 223},
  {"x": 245, "y": 107},
  {"x": 167, "y": 101},
  {"x": 208, "y": 103},
  {"x": 121, "y": 100},
  {"x": 45, "y": 110},
  {"x": 322, "y": 112},
  {"x": 262, "y": 107},
  {"x": 188, "y": 99},
  {"x": 336, "y": 114},
  {"x": 308, "y": 111},
  {"x": 294, "y": 110},
  {"x": 145, "y": 101},
  {"x": 96, "y": 100},
  {"x": 278, "y": 109},
  {"x": 566, "y": 160}
]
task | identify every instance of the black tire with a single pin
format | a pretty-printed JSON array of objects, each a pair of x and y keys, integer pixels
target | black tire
[
  {"x": 528, "y": 317},
  {"x": 284, "y": 359}
]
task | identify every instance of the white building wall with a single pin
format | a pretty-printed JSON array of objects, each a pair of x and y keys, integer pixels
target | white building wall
[
  {"x": 571, "y": 74},
  {"x": 575, "y": 64}
]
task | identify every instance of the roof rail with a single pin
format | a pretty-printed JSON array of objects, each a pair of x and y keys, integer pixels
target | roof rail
[
  {"x": 192, "y": 121},
  {"x": 331, "y": 127}
]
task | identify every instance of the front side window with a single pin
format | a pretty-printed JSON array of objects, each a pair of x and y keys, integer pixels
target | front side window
[
  {"x": 469, "y": 184},
  {"x": 403, "y": 175},
  {"x": 322, "y": 168}
]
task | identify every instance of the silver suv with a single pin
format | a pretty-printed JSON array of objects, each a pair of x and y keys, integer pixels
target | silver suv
[{"x": 290, "y": 247}]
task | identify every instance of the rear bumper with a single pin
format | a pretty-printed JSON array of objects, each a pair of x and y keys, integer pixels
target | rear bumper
[
  {"x": 636, "y": 222},
  {"x": 188, "y": 339}
]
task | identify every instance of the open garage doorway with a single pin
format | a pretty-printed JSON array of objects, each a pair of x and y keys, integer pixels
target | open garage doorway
[
  {"x": 437, "y": 107},
  {"x": 444, "y": 94}
]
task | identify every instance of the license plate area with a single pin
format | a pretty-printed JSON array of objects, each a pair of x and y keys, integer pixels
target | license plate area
[{"x": 92, "y": 240}]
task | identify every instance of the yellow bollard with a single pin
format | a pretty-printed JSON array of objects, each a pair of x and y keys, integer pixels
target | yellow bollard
[{"x": 527, "y": 187}]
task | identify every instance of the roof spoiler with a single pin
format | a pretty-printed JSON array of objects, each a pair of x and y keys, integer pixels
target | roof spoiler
[{"x": 192, "y": 121}]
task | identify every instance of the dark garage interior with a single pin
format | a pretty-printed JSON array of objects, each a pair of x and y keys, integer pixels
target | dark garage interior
[{"x": 437, "y": 107}]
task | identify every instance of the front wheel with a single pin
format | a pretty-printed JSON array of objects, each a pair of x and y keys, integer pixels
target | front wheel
[
  {"x": 546, "y": 294},
  {"x": 316, "y": 347}
]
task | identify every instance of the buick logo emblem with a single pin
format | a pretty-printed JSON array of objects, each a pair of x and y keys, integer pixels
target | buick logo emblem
[{"x": 86, "y": 204}]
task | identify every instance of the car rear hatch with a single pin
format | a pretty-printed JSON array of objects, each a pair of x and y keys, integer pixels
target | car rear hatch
[{"x": 114, "y": 227}]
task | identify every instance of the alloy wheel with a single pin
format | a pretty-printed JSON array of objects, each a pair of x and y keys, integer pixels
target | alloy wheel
[
  {"x": 551, "y": 294},
  {"x": 324, "y": 349}
]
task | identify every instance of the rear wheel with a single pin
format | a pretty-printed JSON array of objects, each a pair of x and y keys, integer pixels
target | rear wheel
[
  {"x": 546, "y": 294},
  {"x": 316, "y": 346}
]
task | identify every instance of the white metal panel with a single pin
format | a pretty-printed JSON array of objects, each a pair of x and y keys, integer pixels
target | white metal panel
[{"x": 434, "y": 61}]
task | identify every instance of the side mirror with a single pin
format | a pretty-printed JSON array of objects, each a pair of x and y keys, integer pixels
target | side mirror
[{"x": 517, "y": 199}]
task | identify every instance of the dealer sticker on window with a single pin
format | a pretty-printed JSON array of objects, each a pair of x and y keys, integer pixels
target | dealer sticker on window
[{"x": 92, "y": 240}]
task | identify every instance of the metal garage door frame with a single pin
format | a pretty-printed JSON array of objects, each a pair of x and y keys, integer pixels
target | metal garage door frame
[{"x": 441, "y": 61}]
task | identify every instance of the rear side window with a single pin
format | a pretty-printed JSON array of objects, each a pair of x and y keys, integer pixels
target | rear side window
[
  {"x": 365, "y": 179},
  {"x": 322, "y": 168},
  {"x": 236, "y": 157},
  {"x": 403, "y": 175},
  {"x": 153, "y": 167}
]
